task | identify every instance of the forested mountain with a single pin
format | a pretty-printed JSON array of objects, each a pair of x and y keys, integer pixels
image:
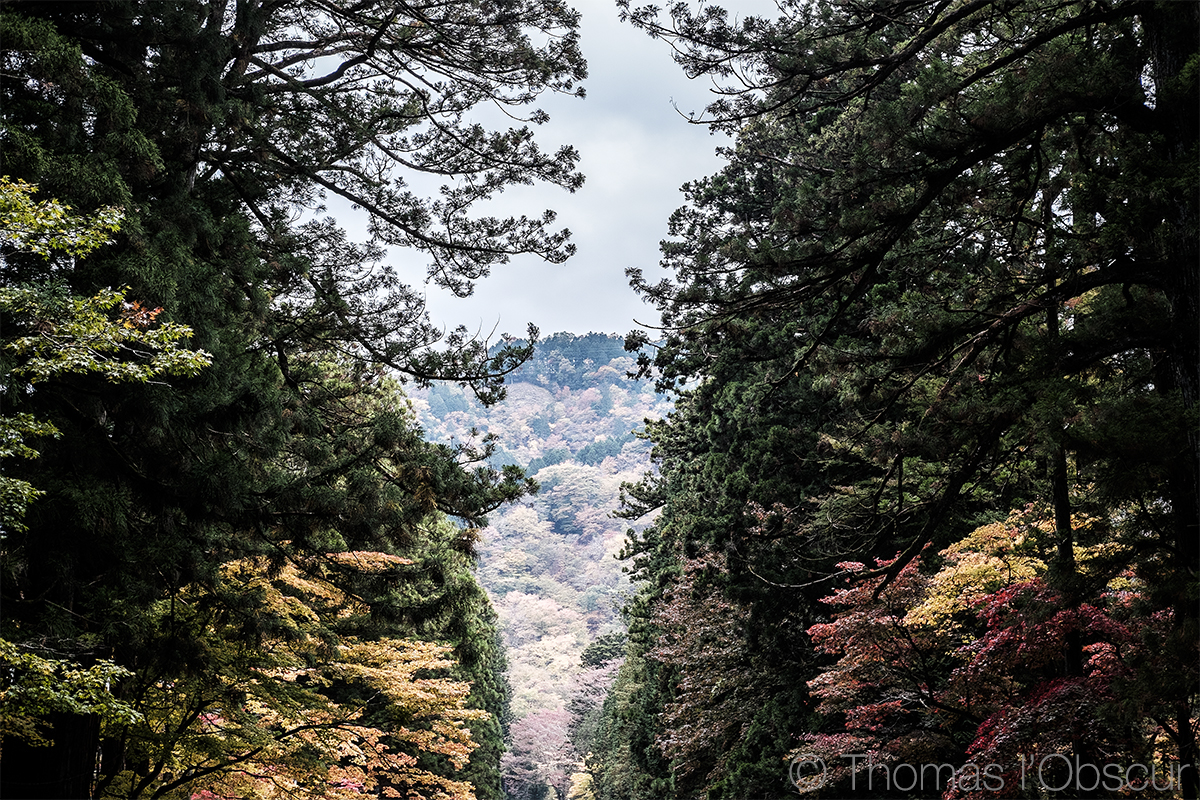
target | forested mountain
[
  {"x": 549, "y": 562},
  {"x": 232, "y": 567},
  {"x": 928, "y": 495}
]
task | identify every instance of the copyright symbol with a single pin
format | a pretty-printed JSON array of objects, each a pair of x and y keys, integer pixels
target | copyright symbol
[{"x": 807, "y": 772}]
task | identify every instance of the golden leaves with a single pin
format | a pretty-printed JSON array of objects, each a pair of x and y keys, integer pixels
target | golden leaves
[
  {"x": 316, "y": 712},
  {"x": 368, "y": 562},
  {"x": 135, "y": 315}
]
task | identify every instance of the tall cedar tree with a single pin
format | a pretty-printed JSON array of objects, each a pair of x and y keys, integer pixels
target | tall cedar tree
[
  {"x": 951, "y": 268},
  {"x": 219, "y": 128}
]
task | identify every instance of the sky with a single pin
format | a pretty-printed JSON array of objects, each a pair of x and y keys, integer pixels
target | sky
[{"x": 636, "y": 149}]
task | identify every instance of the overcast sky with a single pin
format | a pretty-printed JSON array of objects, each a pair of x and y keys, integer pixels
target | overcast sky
[{"x": 636, "y": 151}]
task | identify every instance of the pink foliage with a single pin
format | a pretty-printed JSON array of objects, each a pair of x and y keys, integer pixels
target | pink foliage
[
  {"x": 899, "y": 696},
  {"x": 540, "y": 754}
]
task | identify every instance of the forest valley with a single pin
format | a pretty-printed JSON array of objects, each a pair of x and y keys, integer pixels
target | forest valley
[
  {"x": 916, "y": 477},
  {"x": 549, "y": 562}
]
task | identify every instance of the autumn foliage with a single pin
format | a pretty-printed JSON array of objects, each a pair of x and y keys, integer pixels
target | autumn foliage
[
  {"x": 965, "y": 665},
  {"x": 931, "y": 333},
  {"x": 298, "y": 708}
]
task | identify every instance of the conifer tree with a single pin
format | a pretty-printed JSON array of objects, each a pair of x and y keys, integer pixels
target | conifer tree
[
  {"x": 949, "y": 270},
  {"x": 220, "y": 129}
]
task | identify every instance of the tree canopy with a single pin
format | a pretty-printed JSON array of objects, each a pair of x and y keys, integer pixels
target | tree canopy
[
  {"x": 948, "y": 271},
  {"x": 183, "y": 520}
]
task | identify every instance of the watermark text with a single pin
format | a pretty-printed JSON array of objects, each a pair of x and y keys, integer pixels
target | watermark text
[{"x": 1055, "y": 772}]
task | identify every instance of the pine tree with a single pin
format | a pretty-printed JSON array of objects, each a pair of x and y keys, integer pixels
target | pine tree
[
  {"x": 950, "y": 265},
  {"x": 219, "y": 130}
]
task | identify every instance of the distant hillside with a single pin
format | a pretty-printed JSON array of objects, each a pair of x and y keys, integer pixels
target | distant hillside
[
  {"x": 571, "y": 402},
  {"x": 549, "y": 563},
  {"x": 576, "y": 362}
]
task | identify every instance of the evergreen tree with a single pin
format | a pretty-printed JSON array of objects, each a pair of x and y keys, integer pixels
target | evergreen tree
[
  {"x": 949, "y": 270},
  {"x": 220, "y": 129}
]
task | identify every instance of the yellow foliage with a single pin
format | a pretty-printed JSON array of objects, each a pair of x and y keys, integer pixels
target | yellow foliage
[
  {"x": 369, "y": 562},
  {"x": 994, "y": 556},
  {"x": 305, "y": 712},
  {"x": 991, "y": 557},
  {"x": 582, "y": 787}
]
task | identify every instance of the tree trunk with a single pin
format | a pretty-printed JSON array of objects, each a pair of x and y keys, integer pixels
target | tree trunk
[
  {"x": 64, "y": 771},
  {"x": 1173, "y": 36}
]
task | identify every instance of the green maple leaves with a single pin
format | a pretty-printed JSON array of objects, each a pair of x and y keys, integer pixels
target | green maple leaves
[
  {"x": 70, "y": 335},
  {"x": 49, "y": 227},
  {"x": 78, "y": 335}
]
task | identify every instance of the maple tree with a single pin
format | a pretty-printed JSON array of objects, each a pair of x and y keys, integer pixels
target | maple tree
[
  {"x": 306, "y": 707},
  {"x": 36, "y": 689},
  {"x": 966, "y": 666},
  {"x": 82, "y": 335},
  {"x": 49, "y": 228}
]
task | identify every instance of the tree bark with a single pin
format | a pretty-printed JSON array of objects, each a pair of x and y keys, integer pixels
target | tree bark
[{"x": 64, "y": 771}]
